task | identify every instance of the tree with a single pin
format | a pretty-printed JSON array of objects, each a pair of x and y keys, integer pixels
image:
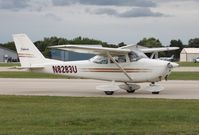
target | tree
[
  {"x": 150, "y": 42},
  {"x": 43, "y": 45},
  {"x": 194, "y": 43},
  {"x": 9, "y": 45},
  {"x": 176, "y": 43},
  {"x": 121, "y": 44}
]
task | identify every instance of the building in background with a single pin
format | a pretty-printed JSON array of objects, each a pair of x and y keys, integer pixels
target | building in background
[
  {"x": 71, "y": 56},
  {"x": 7, "y": 55},
  {"x": 189, "y": 54}
]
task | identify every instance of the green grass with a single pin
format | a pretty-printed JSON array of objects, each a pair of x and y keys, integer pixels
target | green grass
[
  {"x": 16, "y": 74},
  {"x": 9, "y": 64},
  {"x": 66, "y": 115},
  {"x": 184, "y": 76},
  {"x": 188, "y": 64}
]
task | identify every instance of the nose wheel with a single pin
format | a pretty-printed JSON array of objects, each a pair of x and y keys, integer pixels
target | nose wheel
[{"x": 154, "y": 88}]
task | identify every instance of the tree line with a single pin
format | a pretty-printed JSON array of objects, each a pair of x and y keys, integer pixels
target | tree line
[{"x": 43, "y": 45}]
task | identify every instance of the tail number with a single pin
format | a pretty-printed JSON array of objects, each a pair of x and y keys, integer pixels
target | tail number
[{"x": 64, "y": 69}]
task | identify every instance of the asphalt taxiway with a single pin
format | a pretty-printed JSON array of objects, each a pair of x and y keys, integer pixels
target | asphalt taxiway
[{"x": 86, "y": 88}]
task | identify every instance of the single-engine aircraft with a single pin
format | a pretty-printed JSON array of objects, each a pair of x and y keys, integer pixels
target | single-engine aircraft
[{"x": 127, "y": 65}]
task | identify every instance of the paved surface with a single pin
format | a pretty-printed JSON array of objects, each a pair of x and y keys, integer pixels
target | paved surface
[
  {"x": 186, "y": 69},
  {"x": 86, "y": 88},
  {"x": 10, "y": 69}
]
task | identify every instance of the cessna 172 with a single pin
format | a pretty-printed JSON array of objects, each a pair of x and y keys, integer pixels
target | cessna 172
[{"x": 127, "y": 65}]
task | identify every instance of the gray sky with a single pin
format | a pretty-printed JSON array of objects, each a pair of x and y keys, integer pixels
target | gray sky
[{"x": 112, "y": 21}]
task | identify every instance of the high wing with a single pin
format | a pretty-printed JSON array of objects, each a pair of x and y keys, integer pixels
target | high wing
[
  {"x": 92, "y": 50},
  {"x": 149, "y": 50},
  {"x": 112, "y": 51},
  {"x": 162, "y": 49}
]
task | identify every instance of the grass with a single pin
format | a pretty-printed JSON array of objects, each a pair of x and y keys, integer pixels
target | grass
[
  {"x": 188, "y": 64},
  {"x": 22, "y": 115},
  {"x": 184, "y": 76},
  {"x": 9, "y": 64}
]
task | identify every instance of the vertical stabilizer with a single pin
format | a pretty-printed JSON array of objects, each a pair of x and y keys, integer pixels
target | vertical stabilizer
[{"x": 27, "y": 52}]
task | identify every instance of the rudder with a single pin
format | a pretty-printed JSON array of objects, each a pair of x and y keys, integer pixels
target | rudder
[{"x": 27, "y": 52}]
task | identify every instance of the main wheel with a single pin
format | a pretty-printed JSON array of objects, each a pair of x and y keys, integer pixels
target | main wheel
[
  {"x": 156, "y": 92},
  {"x": 130, "y": 91},
  {"x": 109, "y": 92}
]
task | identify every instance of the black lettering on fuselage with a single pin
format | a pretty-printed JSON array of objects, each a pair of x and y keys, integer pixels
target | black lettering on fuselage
[{"x": 64, "y": 69}]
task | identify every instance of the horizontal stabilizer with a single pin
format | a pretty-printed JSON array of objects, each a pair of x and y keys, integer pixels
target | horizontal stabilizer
[{"x": 33, "y": 67}]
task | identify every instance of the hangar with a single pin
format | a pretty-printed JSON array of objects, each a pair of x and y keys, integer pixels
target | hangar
[
  {"x": 188, "y": 54},
  {"x": 71, "y": 56},
  {"x": 7, "y": 55}
]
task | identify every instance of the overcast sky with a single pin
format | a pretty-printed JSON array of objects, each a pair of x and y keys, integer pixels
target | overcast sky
[{"x": 112, "y": 21}]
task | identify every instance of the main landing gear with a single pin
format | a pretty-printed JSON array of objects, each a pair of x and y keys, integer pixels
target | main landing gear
[
  {"x": 157, "y": 92},
  {"x": 109, "y": 92},
  {"x": 130, "y": 88},
  {"x": 108, "y": 89}
]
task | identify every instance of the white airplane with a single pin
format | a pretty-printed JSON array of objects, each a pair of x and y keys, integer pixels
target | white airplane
[{"x": 127, "y": 65}]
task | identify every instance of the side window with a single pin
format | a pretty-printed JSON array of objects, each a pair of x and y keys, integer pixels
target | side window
[
  {"x": 133, "y": 56},
  {"x": 121, "y": 59}
]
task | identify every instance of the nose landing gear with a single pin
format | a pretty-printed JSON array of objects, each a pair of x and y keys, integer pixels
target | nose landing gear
[{"x": 154, "y": 89}]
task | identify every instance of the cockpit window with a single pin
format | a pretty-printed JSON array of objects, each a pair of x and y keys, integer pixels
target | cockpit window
[
  {"x": 136, "y": 55},
  {"x": 133, "y": 56},
  {"x": 100, "y": 60}
]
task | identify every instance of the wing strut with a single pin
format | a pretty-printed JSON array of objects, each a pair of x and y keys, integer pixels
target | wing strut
[{"x": 118, "y": 65}]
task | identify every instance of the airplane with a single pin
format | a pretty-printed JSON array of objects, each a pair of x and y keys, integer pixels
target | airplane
[
  {"x": 167, "y": 58},
  {"x": 122, "y": 67}
]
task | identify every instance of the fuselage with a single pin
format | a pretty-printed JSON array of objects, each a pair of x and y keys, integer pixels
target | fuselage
[{"x": 143, "y": 70}]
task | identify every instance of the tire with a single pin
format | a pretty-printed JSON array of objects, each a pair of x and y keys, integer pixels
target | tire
[
  {"x": 155, "y": 93},
  {"x": 109, "y": 92},
  {"x": 130, "y": 91}
]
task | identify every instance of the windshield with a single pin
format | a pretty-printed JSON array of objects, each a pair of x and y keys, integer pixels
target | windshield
[
  {"x": 100, "y": 60},
  {"x": 136, "y": 55}
]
